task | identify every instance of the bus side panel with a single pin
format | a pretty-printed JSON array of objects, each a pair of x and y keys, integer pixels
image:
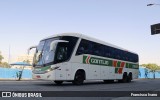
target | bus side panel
[
  {"x": 128, "y": 70},
  {"x": 111, "y": 73},
  {"x": 68, "y": 71},
  {"x": 120, "y": 75},
  {"x": 79, "y": 66},
  {"x": 105, "y": 72},
  {"x": 60, "y": 73},
  {"x": 94, "y": 72}
]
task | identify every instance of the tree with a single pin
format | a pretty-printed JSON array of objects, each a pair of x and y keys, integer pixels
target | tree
[
  {"x": 153, "y": 68},
  {"x": 27, "y": 61},
  {"x": 3, "y": 64},
  {"x": 1, "y": 58}
]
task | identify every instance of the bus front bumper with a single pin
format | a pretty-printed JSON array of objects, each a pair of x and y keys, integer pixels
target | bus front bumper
[{"x": 45, "y": 76}]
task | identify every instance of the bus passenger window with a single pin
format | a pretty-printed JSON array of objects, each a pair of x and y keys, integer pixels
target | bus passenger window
[{"x": 83, "y": 47}]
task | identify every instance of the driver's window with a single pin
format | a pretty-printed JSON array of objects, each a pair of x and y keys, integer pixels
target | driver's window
[{"x": 61, "y": 53}]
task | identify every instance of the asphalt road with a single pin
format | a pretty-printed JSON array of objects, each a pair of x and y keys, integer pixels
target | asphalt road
[{"x": 136, "y": 85}]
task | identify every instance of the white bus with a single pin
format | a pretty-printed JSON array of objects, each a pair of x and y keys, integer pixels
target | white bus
[{"x": 75, "y": 57}]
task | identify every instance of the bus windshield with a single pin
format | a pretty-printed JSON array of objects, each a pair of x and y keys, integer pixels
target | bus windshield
[
  {"x": 61, "y": 52},
  {"x": 43, "y": 54}
]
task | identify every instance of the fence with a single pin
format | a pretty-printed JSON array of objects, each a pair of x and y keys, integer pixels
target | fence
[
  {"x": 145, "y": 73},
  {"x": 10, "y": 73}
]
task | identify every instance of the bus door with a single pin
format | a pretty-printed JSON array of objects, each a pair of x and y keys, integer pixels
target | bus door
[
  {"x": 68, "y": 70},
  {"x": 61, "y": 72}
]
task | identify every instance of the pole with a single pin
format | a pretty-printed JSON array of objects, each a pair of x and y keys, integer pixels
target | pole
[{"x": 9, "y": 55}]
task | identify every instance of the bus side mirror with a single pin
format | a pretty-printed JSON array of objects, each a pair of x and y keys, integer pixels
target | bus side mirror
[{"x": 31, "y": 49}]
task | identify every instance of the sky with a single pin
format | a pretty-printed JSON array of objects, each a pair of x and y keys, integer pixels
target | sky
[{"x": 125, "y": 23}]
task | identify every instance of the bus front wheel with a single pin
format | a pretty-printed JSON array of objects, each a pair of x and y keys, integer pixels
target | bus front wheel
[{"x": 79, "y": 78}]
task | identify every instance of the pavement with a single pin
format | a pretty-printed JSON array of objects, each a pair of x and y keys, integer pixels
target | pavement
[{"x": 38, "y": 85}]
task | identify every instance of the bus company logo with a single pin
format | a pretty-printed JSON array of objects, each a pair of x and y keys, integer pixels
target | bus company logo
[
  {"x": 96, "y": 61},
  {"x": 87, "y": 60}
]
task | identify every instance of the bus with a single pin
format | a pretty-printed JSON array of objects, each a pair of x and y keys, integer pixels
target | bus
[{"x": 75, "y": 57}]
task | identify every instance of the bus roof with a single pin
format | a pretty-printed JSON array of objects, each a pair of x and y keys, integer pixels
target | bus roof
[{"x": 88, "y": 38}]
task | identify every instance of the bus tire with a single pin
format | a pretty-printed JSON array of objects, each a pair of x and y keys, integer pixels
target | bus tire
[
  {"x": 124, "y": 79},
  {"x": 79, "y": 78},
  {"x": 58, "y": 82},
  {"x": 129, "y": 78}
]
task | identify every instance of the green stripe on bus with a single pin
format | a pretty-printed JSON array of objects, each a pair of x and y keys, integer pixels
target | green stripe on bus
[
  {"x": 127, "y": 65},
  {"x": 44, "y": 68},
  {"x": 118, "y": 64},
  {"x": 116, "y": 70},
  {"x": 106, "y": 62},
  {"x": 84, "y": 59}
]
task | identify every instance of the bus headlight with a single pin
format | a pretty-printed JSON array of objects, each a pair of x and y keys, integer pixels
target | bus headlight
[
  {"x": 54, "y": 67},
  {"x": 48, "y": 70}
]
